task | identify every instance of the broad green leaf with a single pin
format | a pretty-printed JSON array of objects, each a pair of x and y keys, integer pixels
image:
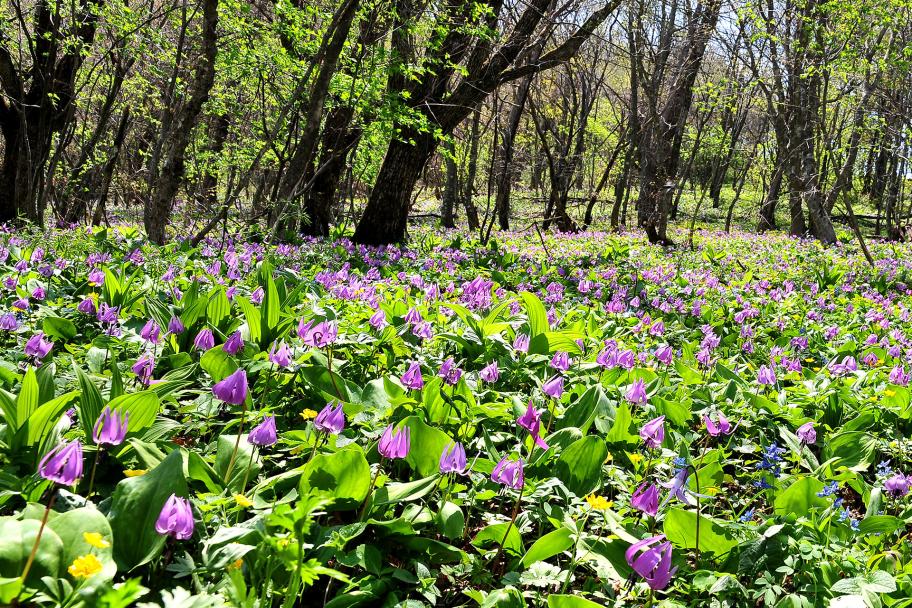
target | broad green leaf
[
  {"x": 343, "y": 476},
  {"x": 16, "y": 541},
  {"x": 580, "y": 465},
  {"x": 427, "y": 445},
  {"x": 800, "y": 497},
  {"x": 490, "y": 537},
  {"x": 451, "y": 521},
  {"x": 681, "y": 529},
  {"x": 135, "y": 507},
  {"x": 58, "y": 327},
  {"x": 549, "y": 545}
]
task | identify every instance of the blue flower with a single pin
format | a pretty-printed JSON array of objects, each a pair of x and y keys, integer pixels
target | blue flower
[
  {"x": 762, "y": 484},
  {"x": 747, "y": 516},
  {"x": 829, "y": 490},
  {"x": 680, "y": 462},
  {"x": 884, "y": 468}
]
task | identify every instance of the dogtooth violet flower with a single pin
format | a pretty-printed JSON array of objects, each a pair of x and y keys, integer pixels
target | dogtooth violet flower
[
  {"x": 646, "y": 499},
  {"x": 653, "y": 432},
  {"x": 412, "y": 379},
  {"x": 521, "y": 343},
  {"x": 37, "y": 346},
  {"x": 232, "y": 389},
  {"x": 331, "y": 419},
  {"x": 531, "y": 421},
  {"x": 636, "y": 394},
  {"x": 320, "y": 335},
  {"x": 264, "y": 434},
  {"x": 449, "y": 372},
  {"x": 490, "y": 372},
  {"x": 897, "y": 485},
  {"x": 233, "y": 344},
  {"x": 560, "y": 361},
  {"x": 395, "y": 444},
  {"x": 723, "y": 427},
  {"x": 111, "y": 427},
  {"x": 280, "y": 355},
  {"x": 176, "y": 518},
  {"x": 150, "y": 332},
  {"x": 144, "y": 367},
  {"x": 651, "y": 559},
  {"x": 175, "y": 326},
  {"x": 766, "y": 375},
  {"x": 63, "y": 464},
  {"x": 554, "y": 387},
  {"x": 204, "y": 340},
  {"x": 806, "y": 433},
  {"x": 509, "y": 473},
  {"x": 453, "y": 459}
]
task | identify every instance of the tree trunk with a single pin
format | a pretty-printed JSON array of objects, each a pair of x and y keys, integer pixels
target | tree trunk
[
  {"x": 158, "y": 206},
  {"x": 451, "y": 188}
]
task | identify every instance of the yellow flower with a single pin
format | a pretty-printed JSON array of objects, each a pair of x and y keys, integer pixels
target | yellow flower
[
  {"x": 635, "y": 458},
  {"x": 242, "y": 500},
  {"x": 308, "y": 414},
  {"x": 890, "y": 392},
  {"x": 598, "y": 502},
  {"x": 236, "y": 564},
  {"x": 96, "y": 540},
  {"x": 84, "y": 566},
  {"x": 135, "y": 472}
]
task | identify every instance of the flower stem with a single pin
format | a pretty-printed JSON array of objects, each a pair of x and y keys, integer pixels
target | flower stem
[
  {"x": 697, "y": 497},
  {"x": 31, "y": 557},
  {"x": 249, "y": 466},
  {"x": 329, "y": 369},
  {"x": 92, "y": 474},
  {"x": 510, "y": 525},
  {"x": 363, "y": 509},
  {"x": 237, "y": 444}
]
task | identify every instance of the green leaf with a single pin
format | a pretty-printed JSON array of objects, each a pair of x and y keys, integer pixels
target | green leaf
[
  {"x": 427, "y": 444},
  {"x": 535, "y": 311},
  {"x": 854, "y": 450},
  {"x": 27, "y": 401},
  {"x": 71, "y": 526},
  {"x": 135, "y": 507},
  {"x": 451, "y": 520},
  {"x": 243, "y": 460},
  {"x": 880, "y": 524},
  {"x": 580, "y": 465},
  {"x": 681, "y": 529},
  {"x": 800, "y": 497},
  {"x": 620, "y": 429},
  {"x": 405, "y": 492},
  {"x": 219, "y": 307},
  {"x": 43, "y": 420},
  {"x": 90, "y": 402},
  {"x": 218, "y": 363},
  {"x": 16, "y": 541},
  {"x": 58, "y": 327},
  {"x": 142, "y": 408},
  {"x": 570, "y": 601},
  {"x": 343, "y": 476},
  {"x": 491, "y": 537},
  {"x": 549, "y": 545}
]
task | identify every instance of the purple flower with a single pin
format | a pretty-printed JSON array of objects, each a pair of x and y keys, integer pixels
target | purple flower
[
  {"x": 646, "y": 499},
  {"x": 204, "y": 340},
  {"x": 678, "y": 486},
  {"x": 176, "y": 518},
  {"x": 554, "y": 387},
  {"x": 37, "y": 346},
  {"x": 509, "y": 473},
  {"x": 21, "y": 304},
  {"x": 521, "y": 343},
  {"x": 264, "y": 434},
  {"x": 724, "y": 426},
  {"x": 38, "y": 293},
  {"x": 320, "y": 335},
  {"x": 111, "y": 427},
  {"x": 63, "y": 464},
  {"x": 175, "y": 326},
  {"x": 453, "y": 459},
  {"x": 651, "y": 559},
  {"x": 257, "y": 296},
  {"x": 331, "y": 419},
  {"x": 281, "y": 356},
  {"x": 96, "y": 277},
  {"x": 560, "y": 361},
  {"x": 653, "y": 432},
  {"x": 86, "y": 306},
  {"x": 395, "y": 444},
  {"x": 806, "y": 433},
  {"x": 107, "y": 314},
  {"x": 8, "y": 322},
  {"x": 449, "y": 372},
  {"x": 490, "y": 372},
  {"x": 897, "y": 485},
  {"x": 143, "y": 368},
  {"x": 531, "y": 421},
  {"x": 412, "y": 379},
  {"x": 232, "y": 389},
  {"x": 898, "y": 375},
  {"x": 766, "y": 375},
  {"x": 150, "y": 332},
  {"x": 412, "y": 316},
  {"x": 233, "y": 344},
  {"x": 378, "y": 320},
  {"x": 665, "y": 355},
  {"x": 636, "y": 394}
]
